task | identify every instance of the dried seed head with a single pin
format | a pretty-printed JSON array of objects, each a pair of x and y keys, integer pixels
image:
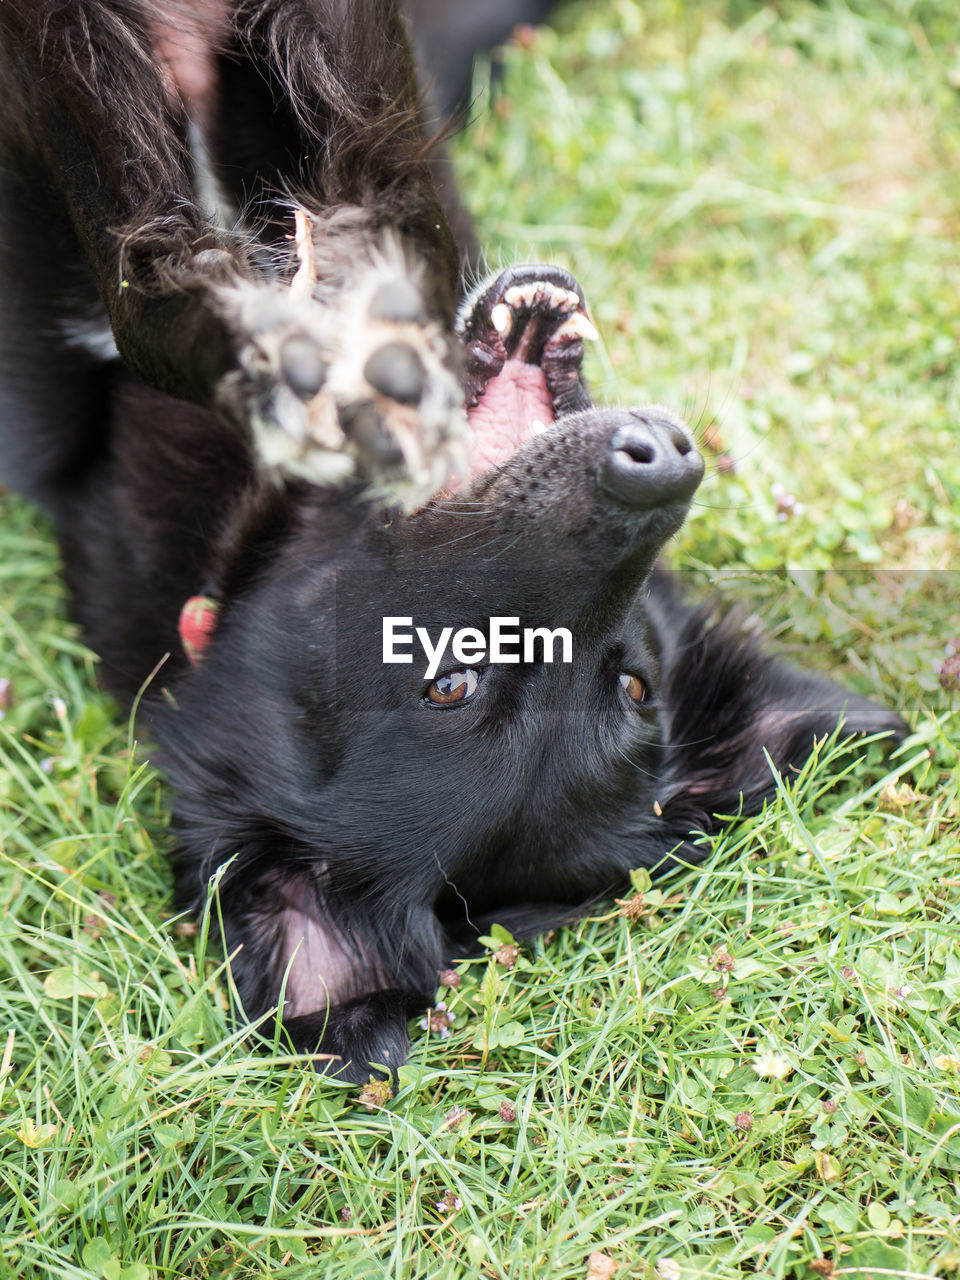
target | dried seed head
[
  {"x": 949, "y": 673},
  {"x": 507, "y": 1112},
  {"x": 455, "y": 1117},
  {"x": 632, "y": 908},
  {"x": 722, "y": 961},
  {"x": 743, "y": 1121},
  {"x": 375, "y": 1094},
  {"x": 507, "y": 955},
  {"x": 898, "y": 799},
  {"x": 450, "y": 978}
]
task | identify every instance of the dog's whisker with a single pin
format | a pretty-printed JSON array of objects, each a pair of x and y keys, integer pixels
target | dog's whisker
[{"x": 450, "y": 885}]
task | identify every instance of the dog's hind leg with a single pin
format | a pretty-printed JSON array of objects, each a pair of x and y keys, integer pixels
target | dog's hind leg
[
  {"x": 197, "y": 309},
  {"x": 89, "y": 117},
  {"x": 55, "y": 345},
  {"x": 87, "y": 146}
]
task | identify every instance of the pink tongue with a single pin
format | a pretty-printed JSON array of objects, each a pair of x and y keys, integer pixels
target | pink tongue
[{"x": 501, "y": 421}]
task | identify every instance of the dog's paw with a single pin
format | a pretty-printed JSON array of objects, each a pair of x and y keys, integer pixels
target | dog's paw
[
  {"x": 399, "y": 400},
  {"x": 360, "y": 1039},
  {"x": 357, "y": 386}
]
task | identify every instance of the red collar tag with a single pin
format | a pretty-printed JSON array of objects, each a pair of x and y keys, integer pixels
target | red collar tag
[{"x": 198, "y": 621}]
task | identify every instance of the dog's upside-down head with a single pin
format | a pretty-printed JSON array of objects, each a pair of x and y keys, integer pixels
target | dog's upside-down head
[{"x": 377, "y": 815}]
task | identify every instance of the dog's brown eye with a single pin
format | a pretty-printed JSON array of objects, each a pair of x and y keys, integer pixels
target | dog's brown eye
[
  {"x": 633, "y": 686},
  {"x": 455, "y": 686}
]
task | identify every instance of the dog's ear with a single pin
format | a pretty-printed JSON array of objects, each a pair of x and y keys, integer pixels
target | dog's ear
[{"x": 726, "y": 701}]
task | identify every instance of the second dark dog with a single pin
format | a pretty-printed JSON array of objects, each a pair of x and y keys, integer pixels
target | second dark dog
[{"x": 231, "y": 407}]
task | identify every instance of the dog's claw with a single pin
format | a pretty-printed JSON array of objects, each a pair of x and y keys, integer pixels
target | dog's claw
[
  {"x": 216, "y": 264},
  {"x": 578, "y": 326}
]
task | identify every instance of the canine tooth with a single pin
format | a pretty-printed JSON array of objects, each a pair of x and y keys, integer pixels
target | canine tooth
[
  {"x": 579, "y": 325},
  {"x": 573, "y": 298},
  {"x": 536, "y": 427},
  {"x": 502, "y": 319}
]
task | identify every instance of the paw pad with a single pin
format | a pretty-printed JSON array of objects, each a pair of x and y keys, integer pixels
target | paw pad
[
  {"x": 396, "y": 371},
  {"x": 303, "y": 366},
  {"x": 348, "y": 383}
]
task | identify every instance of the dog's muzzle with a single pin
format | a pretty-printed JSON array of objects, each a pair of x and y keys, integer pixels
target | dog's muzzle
[{"x": 651, "y": 461}]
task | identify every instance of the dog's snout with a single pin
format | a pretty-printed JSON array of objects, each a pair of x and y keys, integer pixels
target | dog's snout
[{"x": 651, "y": 461}]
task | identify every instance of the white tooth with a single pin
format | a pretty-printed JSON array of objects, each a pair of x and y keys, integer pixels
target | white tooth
[
  {"x": 521, "y": 294},
  {"x": 502, "y": 319},
  {"x": 580, "y": 325},
  {"x": 536, "y": 427},
  {"x": 562, "y": 299}
]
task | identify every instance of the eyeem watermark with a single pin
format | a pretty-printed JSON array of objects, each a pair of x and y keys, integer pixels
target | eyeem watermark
[{"x": 504, "y": 642}]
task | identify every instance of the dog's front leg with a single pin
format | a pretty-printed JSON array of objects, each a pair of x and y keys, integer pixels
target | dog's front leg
[
  {"x": 363, "y": 1037},
  {"x": 327, "y": 88},
  {"x": 346, "y": 973}
]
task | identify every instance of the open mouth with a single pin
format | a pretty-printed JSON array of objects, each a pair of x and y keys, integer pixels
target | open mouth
[{"x": 523, "y": 334}]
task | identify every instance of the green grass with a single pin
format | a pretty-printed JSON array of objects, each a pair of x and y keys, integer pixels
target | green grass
[{"x": 758, "y": 1068}]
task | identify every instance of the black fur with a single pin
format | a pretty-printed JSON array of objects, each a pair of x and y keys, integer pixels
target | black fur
[
  {"x": 358, "y": 835},
  {"x": 448, "y": 34}
]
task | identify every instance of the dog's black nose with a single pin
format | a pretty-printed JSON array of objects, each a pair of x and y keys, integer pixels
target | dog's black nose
[{"x": 651, "y": 461}]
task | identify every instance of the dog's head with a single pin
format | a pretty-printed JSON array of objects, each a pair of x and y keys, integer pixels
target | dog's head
[{"x": 357, "y": 711}]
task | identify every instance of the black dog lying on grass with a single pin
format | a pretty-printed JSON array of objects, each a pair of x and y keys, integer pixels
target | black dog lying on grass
[{"x": 213, "y": 406}]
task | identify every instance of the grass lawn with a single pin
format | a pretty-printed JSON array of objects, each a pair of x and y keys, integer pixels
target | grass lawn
[{"x": 752, "y": 1067}]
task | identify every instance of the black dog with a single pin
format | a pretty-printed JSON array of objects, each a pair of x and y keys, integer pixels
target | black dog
[{"x": 181, "y": 388}]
